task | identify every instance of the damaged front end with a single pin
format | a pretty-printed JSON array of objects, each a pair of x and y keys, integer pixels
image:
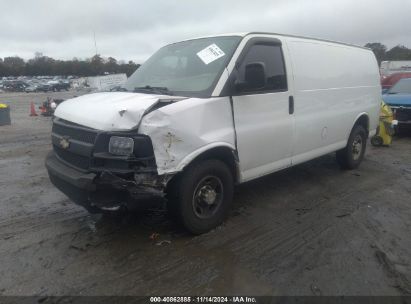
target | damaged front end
[
  {"x": 82, "y": 168},
  {"x": 137, "y": 191}
]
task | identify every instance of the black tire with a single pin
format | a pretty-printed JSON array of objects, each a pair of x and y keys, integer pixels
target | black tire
[
  {"x": 351, "y": 156},
  {"x": 202, "y": 195},
  {"x": 376, "y": 141}
]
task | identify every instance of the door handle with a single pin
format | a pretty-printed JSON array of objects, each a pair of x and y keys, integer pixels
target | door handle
[{"x": 291, "y": 105}]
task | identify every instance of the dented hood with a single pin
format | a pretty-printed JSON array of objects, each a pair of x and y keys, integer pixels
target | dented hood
[{"x": 110, "y": 111}]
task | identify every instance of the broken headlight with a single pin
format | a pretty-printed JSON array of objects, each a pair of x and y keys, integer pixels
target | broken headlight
[{"x": 121, "y": 145}]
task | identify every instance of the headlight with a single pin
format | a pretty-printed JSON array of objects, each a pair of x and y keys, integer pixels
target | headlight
[{"x": 121, "y": 145}]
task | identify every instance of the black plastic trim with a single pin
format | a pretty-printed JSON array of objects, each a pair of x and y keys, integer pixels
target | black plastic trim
[
  {"x": 291, "y": 105},
  {"x": 233, "y": 118},
  {"x": 70, "y": 175}
]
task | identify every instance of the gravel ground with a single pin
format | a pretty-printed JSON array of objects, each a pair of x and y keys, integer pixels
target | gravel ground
[{"x": 310, "y": 230}]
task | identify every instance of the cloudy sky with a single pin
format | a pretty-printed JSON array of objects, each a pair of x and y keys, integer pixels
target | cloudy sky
[{"x": 133, "y": 29}]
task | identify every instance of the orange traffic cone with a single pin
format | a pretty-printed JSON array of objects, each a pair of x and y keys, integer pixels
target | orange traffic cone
[{"x": 32, "y": 110}]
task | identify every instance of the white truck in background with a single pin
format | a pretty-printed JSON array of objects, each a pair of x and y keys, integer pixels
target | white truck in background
[
  {"x": 399, "y": 66},
  {"x": 202, "y": 115}
]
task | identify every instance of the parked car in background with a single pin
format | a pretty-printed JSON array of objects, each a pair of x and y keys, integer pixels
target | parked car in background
[
  {"x": 35, "y": 83},
  {"x": 58, "y": 86},
  {"x": 15, "y": 86},
  {"x": 398, "y": 97},
  {"x": 388, "y": 81},
  {"x": 31, "y": 89},
  {"x": 44, "y": 87}
]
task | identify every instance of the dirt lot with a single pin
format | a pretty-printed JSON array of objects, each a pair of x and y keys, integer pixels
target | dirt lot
[{"x": 309, "y": 230}]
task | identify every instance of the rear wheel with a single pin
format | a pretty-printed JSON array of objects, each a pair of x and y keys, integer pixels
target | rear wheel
[
  {"x": 351, "y": 156},
  {"x": 202, "y": 197},
  {"x": 376, "y": 141}
]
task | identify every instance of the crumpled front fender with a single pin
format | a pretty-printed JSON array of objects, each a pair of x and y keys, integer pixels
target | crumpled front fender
[{"x": 183, "y": 130}]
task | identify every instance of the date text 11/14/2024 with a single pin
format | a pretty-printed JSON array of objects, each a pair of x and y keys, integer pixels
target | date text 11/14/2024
[{"x": 203, "y": 299}]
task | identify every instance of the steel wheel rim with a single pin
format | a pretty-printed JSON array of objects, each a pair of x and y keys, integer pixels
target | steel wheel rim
[
  {"x": 207, "y": 197},
  {"x": 357, "y": 146}
]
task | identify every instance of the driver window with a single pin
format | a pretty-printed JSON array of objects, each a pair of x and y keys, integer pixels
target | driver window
[{"x": 271, "y": 56}]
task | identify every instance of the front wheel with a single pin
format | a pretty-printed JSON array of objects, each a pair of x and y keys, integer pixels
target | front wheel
[
  {"x": 351, "y": 156},
  {"x": 203, "y": 195}
]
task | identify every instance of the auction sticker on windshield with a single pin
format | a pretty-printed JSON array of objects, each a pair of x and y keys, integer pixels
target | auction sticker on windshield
[{"x": 210, "y": 53}]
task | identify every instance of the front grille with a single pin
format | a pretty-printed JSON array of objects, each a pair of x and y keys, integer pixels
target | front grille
[
  {"x": 74, "y": 132},
  {"x": 87, "y": 149},
  {"x": 73, "y": 159},
  {"x": 403, "y": 114},
  {"x": 83, "y": 136}
]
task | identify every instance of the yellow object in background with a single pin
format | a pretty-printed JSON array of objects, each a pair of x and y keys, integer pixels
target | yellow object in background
[
  {"x": 3, "y": 106},
  {"x": 385, "y": 129}
]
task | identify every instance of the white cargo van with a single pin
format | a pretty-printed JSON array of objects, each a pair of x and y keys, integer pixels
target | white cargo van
[{"x": 202, "y": 115}]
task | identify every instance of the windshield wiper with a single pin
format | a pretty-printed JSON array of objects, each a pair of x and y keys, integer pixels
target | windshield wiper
[
  {"x": 118, "y": 89},
  {"x": 155, "y": 90}
]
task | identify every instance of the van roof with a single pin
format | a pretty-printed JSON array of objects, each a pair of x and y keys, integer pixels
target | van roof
[{"x": 243, "y": 34}]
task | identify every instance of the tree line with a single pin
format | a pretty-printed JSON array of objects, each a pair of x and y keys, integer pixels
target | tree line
[
  {"x": 46, "y": 66},
  {"x": 399, "y": 52}
]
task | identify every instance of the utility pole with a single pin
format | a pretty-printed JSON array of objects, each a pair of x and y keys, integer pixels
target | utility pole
[{"x": 95, "y": 42}]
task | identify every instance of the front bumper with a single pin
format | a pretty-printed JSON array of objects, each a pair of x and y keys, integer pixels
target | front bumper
[
  {"x": 404, "y": 122},
  {"x": 105, "y": 190},
  {"x": 402, "y": 114}
]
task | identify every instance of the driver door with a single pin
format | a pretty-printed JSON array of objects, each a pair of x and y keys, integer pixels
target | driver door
[{"x": 264, "y": 115}]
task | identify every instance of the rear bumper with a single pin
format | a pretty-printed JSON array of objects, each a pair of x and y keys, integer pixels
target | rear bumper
[{"x": 105, "y": 190}]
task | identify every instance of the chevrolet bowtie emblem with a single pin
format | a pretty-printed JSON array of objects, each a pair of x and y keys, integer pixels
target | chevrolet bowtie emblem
[{"x": 64, "y": 143}]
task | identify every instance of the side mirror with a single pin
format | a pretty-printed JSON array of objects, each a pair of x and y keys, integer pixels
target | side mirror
[{"x": 254, "y": 77}]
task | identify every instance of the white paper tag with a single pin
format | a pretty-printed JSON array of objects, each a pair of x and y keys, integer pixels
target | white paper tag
[{"x": 210, "y": 53}]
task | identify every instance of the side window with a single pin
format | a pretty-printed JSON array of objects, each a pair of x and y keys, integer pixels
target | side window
[{"x": 272, "y": 58}]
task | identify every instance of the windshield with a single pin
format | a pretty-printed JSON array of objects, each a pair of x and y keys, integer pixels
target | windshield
[
  {"x": 403, "y": 86},
  {"x": 189, "y": 68}
]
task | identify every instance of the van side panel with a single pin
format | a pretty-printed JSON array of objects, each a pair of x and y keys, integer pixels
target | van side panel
[
  {"x": 333, "y": 84},
  {"x": 181, "y": 130}
]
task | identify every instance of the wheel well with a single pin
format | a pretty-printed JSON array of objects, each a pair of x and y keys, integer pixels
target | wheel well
[
  {"x": 364, "y": 121},
  {"x": 224, "y": 154}
]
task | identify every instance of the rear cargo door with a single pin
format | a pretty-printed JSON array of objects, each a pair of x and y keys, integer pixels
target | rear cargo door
[{"x": 264, "y": 119}]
